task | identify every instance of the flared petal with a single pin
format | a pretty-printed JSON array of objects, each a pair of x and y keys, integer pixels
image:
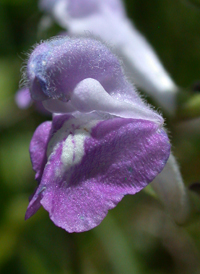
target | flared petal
[
  {"x": 38, "y": 147},
  {"x": 92, "y": 165}
]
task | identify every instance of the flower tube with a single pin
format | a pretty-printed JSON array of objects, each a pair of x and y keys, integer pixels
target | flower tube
[{"x": 107, "y": 20}]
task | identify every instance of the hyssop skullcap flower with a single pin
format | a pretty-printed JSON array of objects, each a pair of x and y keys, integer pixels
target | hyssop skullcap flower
[{"x": 103, "y": 143}]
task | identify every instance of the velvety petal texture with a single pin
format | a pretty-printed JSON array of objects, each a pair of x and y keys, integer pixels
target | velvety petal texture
[
  {"x": 104, "y": 142},
  {"x": 107, "y": 20},
  {"x": 55, "y": 67},
  {"x": 38, "y": 147},
  {"x": 92, "y": 163},
  {"x": 64, "y": 70}
]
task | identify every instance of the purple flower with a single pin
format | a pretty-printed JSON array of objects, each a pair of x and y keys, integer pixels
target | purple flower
[
  {"x": 107, "y": 19},
  {"x": 106, "y": 143},
  {"x": 23, "y": 100}
]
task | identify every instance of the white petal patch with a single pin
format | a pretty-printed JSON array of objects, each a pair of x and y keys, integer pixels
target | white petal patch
[
  {"x": 76, "y": 132},
  {"x": 73, "y": 148}
]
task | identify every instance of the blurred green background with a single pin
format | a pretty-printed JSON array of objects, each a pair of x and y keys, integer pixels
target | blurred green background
[{"x": 137, "y": 236}]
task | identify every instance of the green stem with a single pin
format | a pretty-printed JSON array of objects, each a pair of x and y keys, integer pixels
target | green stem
[{"x": 190, "y": 109}]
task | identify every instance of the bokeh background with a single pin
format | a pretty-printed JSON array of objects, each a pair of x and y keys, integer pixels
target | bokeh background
[{"x": 137, "y": 236}]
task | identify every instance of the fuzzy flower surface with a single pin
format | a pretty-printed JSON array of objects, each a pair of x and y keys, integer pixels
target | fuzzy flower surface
[
  {"x": 107, "y": 19},
  {"x": 103, "y": 142}
]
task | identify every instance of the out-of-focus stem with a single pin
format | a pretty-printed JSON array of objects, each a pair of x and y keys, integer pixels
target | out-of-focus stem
[
  {"x": 190, "y": 109},
  {"x": 170, "y": 189}
]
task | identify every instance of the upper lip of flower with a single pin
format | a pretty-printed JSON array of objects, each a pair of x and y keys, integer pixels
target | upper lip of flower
[
  {"x": 85, "y": 82},
  {"x": 139, "y": 57},
  {"x": 89, "y": 96}
]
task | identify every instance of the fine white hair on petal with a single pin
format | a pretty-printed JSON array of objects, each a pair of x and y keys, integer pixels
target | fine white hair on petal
[
  {"x": 95, "y": 81},
  {"x": 141, "y": 62},
  {"x": 171, "y": 190}
]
